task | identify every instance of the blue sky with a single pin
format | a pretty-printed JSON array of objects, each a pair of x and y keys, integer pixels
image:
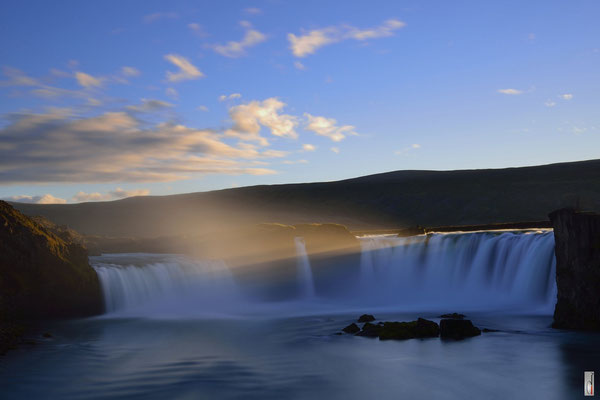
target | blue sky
[{"x": 103, "y": 100}]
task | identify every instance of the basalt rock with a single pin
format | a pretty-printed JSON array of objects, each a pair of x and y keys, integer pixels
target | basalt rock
[
  {"x": 577, "y": 249},
  {"x": 420, "y": 328},
  {"x": 352, "y": 328},
  {"x": 366, "y": 318},
  {"x": 43, "y": 275},
  {"x": 458, "y": 329}
]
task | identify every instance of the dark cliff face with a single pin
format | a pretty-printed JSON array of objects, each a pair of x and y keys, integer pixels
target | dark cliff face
[
  {"x": 577, "y": 238},
  {"x": 42, "y": 274}
]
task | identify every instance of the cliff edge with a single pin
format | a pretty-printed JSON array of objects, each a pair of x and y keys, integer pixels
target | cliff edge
[
  {"x": 577, "y": 248},
  {"x": 43, "y": 275}
]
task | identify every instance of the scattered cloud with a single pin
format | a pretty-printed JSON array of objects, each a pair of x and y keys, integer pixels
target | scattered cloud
[
  {"x": 171, "y": 92},
  {"x": 549, "y": 103},
  {"x": 187, "y": 71},
  {"x": 150, "y": 105},
  {"x": 309, "y": 43},
  {"x": 44, "y": 199},
  {"x": 299, "y": 65},
  {"x": 116, "y": 147},
  {"x": 510, "y": 91},
  {"x": 336, "y": 150},
  {"x": 149, "y": 18},
  {"x": 232, "y": 96},
  {"x": 291, "y": 162},
  {"x": 253, "y": 11},
  {"x": 308, "y": 147},
  {"x": 118, "y": 193},
  {"x": 130, "y": 72},
  {"x": 203, "y": 108},
  {"x": 412, "y": 147},
  {"x": 566, "y": 96},
  {"x": 328, "y": 127},
  {"x": 248, "y": 119},
  {"x": 87, "y": 80},
  {"x": 233, "y": 49}
]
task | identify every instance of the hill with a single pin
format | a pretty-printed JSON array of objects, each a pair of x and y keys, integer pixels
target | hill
[{"x": 388, "y": 200}]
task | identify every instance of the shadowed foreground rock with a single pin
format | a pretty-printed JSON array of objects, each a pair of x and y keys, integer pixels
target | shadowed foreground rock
[
  {"x": 43, "y": 275},
  {"x": 420, "y": 328},
  {"x": 577, "y": 249},
  {"x": 458, "y": 329}
]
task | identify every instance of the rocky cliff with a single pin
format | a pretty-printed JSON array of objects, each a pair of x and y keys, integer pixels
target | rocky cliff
[
  {"x": 43, "y": 274},
  {"x": 577, "y": 238}
]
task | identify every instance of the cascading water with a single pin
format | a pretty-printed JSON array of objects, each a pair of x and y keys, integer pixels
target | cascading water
[
  {"x": 163, "y": 283},
  {"x": 513, "y": 271},
  {"x": 467, "y": 270},
  {"x": 305, "y": 276}
]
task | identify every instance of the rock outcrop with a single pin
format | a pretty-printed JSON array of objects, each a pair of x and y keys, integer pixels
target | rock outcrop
[
  {"x": 458, "y": 329},
  {"x": 43, "y": 275},
  {"x": 577, "y": 249}
]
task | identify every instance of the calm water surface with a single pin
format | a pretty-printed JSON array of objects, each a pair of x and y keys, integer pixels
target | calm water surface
[{"x": 296, "y": 358}]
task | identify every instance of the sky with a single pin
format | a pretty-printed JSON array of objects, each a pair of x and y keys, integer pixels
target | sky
[{"x": 105, "y": 100}]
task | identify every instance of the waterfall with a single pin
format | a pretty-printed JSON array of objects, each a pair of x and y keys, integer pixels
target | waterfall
[
  {"x": 163, "y": 282},
  {"x": 305, "y": 276},
  {"x": 512, "y": 271},
  {"x": 474, "y": 270}
]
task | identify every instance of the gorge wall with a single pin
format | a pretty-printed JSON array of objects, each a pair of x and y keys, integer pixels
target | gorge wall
[
  {"x": 43, "y": 274},
  {"x": 577, "y": 248}
]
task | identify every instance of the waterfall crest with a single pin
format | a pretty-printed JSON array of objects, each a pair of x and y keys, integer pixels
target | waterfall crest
[{"x": 513, "y": 271}]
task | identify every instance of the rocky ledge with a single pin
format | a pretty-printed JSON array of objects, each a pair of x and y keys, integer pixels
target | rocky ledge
[
  {"x": 577, "y": 249},
  {"x": 43, "y": 275}
]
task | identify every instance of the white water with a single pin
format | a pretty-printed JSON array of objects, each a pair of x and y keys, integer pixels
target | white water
[
  {"x": 305, "y": 276},
  {"x": 512, "y": 271},
  {"x": 472, "y": 270}
]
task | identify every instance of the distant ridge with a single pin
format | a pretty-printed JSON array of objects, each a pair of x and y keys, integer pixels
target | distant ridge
[{"x": 388, "y": 200}]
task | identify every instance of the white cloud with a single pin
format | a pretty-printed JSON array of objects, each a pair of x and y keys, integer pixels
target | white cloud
[
  {"x": 336, "y": 150},
  {"x": 549, "y": 103},
  {"x": 510, "y": 91},
  {"x": 566, "y": 96},
  {"x": 149, "y": 18},
  {"x": 187, "y": 71},
  {"x": 233, "y": 49},
  {"x": 171, "y": 92},
  {"x": 308, "y": 147},
  {"x": 249, "y": 117},
  {"x": 87, "y": 81},
  {"x": 414, "y": 146},
  {"x": 44, "y": 199},
  {"x": 232, "y": 96},
  {"x": 203, "y": 108},
  {"x": 328, "y": 127},
  {"x": 299, "y": 65},
  {"x": 384, "y": 30},
  {"x": 291, "y": 162},
  {"x": 118, "y": 193},
  {"x": 130, "y": 71},
  {"x": 309, "y": 43}
]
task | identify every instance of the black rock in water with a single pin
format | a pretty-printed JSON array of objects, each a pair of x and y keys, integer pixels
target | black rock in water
[
  {"x": 352, "y": 328},
  {"x": 458, "y": 329},
  {"x": 453, "y": 316},
  {"x": 366, "y": 318},
  {"x": 420, "y": 328},
  {"x": 370, "y": 330}
]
